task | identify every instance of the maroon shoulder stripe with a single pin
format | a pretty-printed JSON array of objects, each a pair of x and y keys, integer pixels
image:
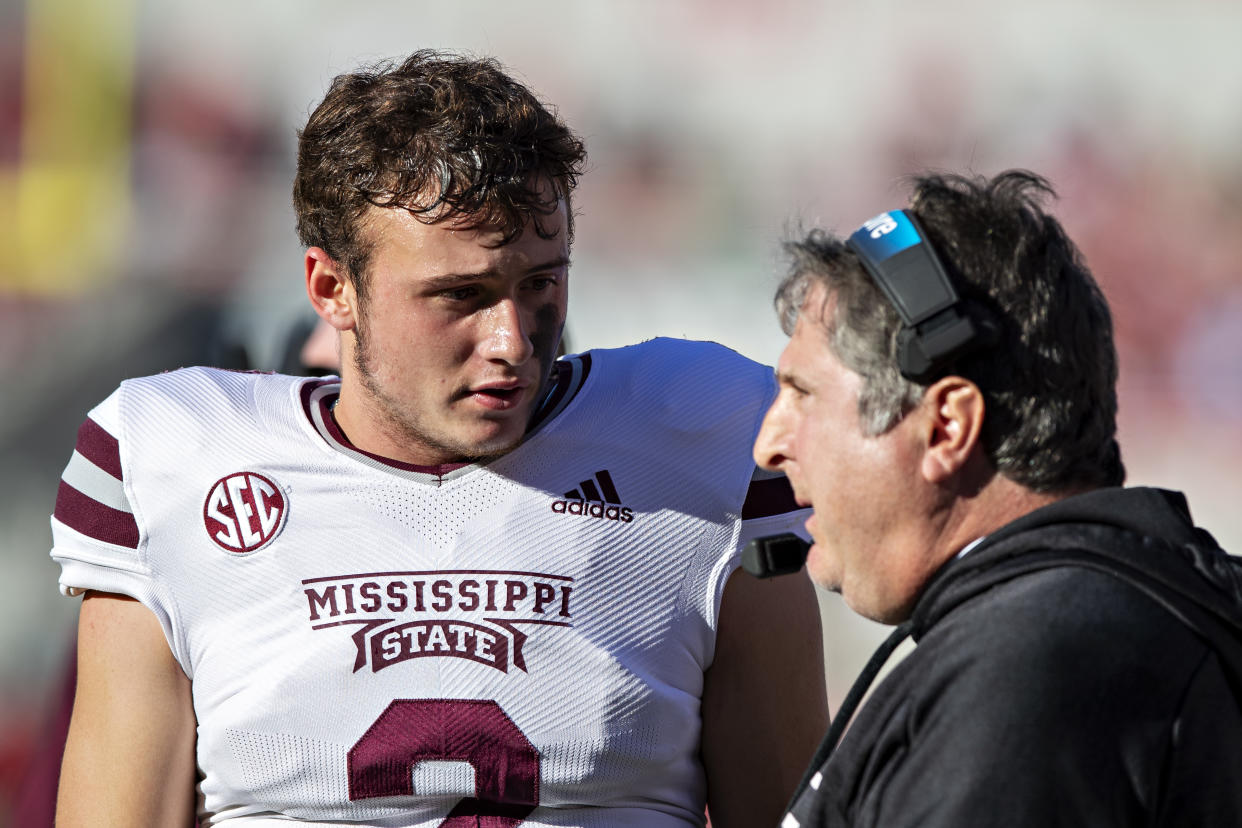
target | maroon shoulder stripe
[
  {"x": 765, "y": 498},
  {"x": 95, "y": 520},
  {"x": 100, "y": 447}
]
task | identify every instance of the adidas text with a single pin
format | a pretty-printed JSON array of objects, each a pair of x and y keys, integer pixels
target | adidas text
[{"x": 596, "y": 510}]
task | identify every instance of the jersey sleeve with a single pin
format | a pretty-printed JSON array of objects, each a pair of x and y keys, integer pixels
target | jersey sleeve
[
  {"x": 738, "y": 392},
  {"x": 96, "y": 537},
  {"x": 93, "y": 518}
]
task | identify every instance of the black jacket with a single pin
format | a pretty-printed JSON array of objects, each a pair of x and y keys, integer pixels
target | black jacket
[{"x": 1082, "y": 666}]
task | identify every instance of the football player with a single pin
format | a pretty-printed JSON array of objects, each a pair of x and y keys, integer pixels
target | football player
[{"x": 465, "y": 583}]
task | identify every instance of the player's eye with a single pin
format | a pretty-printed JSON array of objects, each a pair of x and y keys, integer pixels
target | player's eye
[
  {"x": 464, "y": 293},
  {"x": 541, "y": 283}
]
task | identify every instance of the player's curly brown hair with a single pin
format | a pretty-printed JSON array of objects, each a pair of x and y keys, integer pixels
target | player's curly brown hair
[{"x": 442, "y": 135}]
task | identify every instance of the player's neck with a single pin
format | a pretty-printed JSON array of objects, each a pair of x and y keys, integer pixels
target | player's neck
[{"x": 365, "y": 426}]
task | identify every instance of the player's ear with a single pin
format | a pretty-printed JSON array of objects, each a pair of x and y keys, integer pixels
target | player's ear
[
  {"x": 954, "y": 410},
  {"x": 331, "y": 292}
]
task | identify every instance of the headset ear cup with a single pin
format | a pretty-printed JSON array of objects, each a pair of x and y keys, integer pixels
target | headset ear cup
[{"x": 911, "y": 361}]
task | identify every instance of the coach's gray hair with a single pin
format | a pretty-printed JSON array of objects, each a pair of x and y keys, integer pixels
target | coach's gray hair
[
  {"x": 864, "y": 339},
  {"x": 1049, "y": 382}
]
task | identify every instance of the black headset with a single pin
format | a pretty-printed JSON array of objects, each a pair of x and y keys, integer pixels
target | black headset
[{"x": 935, "y": 329}]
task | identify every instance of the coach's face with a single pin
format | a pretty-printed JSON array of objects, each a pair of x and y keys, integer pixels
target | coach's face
[
  {"x": 448, "y": 354},
  {"x": 865, "y": 491}
]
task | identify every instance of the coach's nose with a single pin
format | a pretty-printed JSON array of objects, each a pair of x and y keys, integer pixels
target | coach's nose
[{"x": 774, "y": 445}]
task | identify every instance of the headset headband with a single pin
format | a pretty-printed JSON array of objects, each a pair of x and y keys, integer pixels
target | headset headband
[{"x": 935, "y": 328}]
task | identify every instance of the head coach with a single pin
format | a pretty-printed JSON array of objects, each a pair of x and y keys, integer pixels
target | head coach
[{"x": 947, "y": 406}]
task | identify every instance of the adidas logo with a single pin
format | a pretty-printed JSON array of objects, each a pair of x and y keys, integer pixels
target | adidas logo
[{"x": 595, "y": 498}]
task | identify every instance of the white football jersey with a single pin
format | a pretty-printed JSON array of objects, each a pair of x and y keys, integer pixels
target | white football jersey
[{"x": 520, "y": 642}]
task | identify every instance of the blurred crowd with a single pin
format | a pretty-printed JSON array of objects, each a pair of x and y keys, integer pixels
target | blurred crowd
[{"x": 200, "y": 265}]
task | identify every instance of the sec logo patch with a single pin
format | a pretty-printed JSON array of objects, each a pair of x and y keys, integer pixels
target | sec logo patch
[{"x": 244, "y": 512}]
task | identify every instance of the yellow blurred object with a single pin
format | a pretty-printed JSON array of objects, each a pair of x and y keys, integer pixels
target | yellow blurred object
[{"x": 68, "y": 201}]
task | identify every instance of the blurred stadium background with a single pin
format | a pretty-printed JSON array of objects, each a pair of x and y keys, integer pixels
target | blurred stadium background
[{"x": 146, "y": 158}]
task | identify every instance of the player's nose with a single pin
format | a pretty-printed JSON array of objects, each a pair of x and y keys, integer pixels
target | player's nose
[{"x": 507, "y": 333}]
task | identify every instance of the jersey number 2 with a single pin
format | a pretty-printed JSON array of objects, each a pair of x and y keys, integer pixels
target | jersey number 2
[{"x": 409, "y": 731}]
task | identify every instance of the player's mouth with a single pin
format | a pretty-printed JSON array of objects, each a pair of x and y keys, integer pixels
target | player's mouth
[{"x": 500, "y": 396}]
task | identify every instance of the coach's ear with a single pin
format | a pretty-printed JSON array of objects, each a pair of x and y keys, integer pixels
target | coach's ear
[
  {"x": 953, "y": 408},
  {"x": 330, "y": 290}
]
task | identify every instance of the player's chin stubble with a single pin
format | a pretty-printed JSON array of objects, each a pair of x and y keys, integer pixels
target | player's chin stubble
[{"x": 545, "y": 338}]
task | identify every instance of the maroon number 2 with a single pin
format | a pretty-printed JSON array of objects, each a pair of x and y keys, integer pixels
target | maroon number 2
[{"x": 409, "y": 731}]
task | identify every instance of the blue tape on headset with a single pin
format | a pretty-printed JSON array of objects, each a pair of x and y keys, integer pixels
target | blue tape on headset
[{"x": 886, "y": 235}]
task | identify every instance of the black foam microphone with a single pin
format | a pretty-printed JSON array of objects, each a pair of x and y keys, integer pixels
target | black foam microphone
[{"x": 772, "y": 555}]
